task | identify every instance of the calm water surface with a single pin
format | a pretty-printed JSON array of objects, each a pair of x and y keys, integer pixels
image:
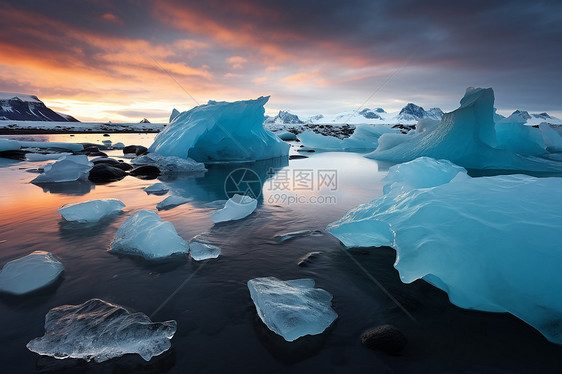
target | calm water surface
[{"x": 218, "y": 328}]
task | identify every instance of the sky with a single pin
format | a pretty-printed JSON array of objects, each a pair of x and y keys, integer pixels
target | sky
[{"x": 122, "y": 61}]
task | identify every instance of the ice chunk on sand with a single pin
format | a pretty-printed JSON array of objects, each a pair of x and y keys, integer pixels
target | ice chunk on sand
[
  {"x": 465, "y": 136},
  {"x": 90, "y": 211},
  {"x": 9, "y": 145},
  {"x": 237, "y": 207},
  {"x": 45, "y": 157},
  {"x": 146, "y": 234},
  {"x": 201, "y": 249},
  {"x": 292, "y": 308},
  {"x": 364, "y": 138},
  {"x": 157, "y": 189},
  {"x": 67, "y": 169},
  {"x": 172, "y": 202},
  {"x": 30, "y": 273},
  {"x": 98, "y": 330},
  {"x": 221, "y": 131},
  {"x": 169, "y": 164},
  {"x": 491, "y": 243}
]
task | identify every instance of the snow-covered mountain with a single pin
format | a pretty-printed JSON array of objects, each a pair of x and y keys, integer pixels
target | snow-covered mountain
[
  {"x": 284, "y": 117},
  {"x": 522, "y": 116},
  {"x": 19, "y": 107}
]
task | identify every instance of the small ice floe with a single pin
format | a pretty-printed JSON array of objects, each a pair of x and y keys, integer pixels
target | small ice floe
[
  {"x": 169, "y": 164},
  {"x": 97, "y": 330},
  {"x": 146, "y": 234},
  {"x": 237, "y": 207},
  {"x": 296, "y": 234},
  {"x": 90, "y": 211},
  {"x": 45, "y": 157},
  {"x": 200, "y": 249},
  {"x": 172, "y": 202},
  {"x": 292, "y": 308},
  {"x": 67, "y": 169},
  {"x": 9, "y": 145},
  {"x": 74, "y": 147},
  {"x": 30, "y": 273},
  {"x": 118, "y": 145},
  {"x": 157, "y": 189}
]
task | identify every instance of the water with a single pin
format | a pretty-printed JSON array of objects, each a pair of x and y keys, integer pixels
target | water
[{"x": 218, "y": 329}]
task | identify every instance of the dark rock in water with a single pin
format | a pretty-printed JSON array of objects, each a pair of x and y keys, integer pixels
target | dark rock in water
[
  {"x": 114, "y": 163},
  {"x": 145, "y": 172},
  {"x": 386, "y": 338},
  {"x": 308, "y": 258},
  {"x": 97, "y": 154},
  {"x": 296, "y": 157},
  {"x": 105, "y": 173},
  {"x": 100, "y": 147},
  {"x": 14, "y": 155},
  {"x": 306, "y": 150},
  {"x": 105, "y": 134},
  {"x": 136, "y": 149}
]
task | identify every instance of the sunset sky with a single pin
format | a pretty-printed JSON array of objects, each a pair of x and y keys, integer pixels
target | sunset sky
[{"x": 124, "y": 60}]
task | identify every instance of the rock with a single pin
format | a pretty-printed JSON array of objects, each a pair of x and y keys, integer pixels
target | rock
[
  {"x": 145, "y": 171},
  {"x": 105, "y": 134},
  {"x": 386, "y": 338},
  {"x": 114, "y": 163},
  {"x": 103, "y": 173},
  {"x": 136, "y": 149},
  {"x": 14, "y": 155},
  {"x": 296, "y": 157}
]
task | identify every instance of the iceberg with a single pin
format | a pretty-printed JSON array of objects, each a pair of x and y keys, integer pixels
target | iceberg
[
  {"x": 364, "y": 138},
  {"x": 118, "y": 145},
  {"x": 220, "y": 131},
  {"x": 157, "y": 189},
  {"x": 466, "y": 136},
  {"x": 552, "y": 139},
  {"x": 519, "y": 138},
  {"x": 235, "y": 208},
  {"x": 169, "y": 164},
  {"x": 200, "y": 249},
  {"x": 97, "y": 330},
  {"x": 172, "y": 202},
  {"x": 67, "y": 169},
  {"x": 491, "y": 243},
  {"x": 292, "y": 308},
  {"x": 30, "y": 273},
  {"x": 146, "y": 234},
  {"x": 90, "y": 211}
]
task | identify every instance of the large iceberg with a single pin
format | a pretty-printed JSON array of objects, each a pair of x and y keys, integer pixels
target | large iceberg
[
  {"x": 91, "y": 211},
  {"x": 466, "y": 136},
  {"x": 292, "y": 308},
  {"x": 98, "y": 330},
  {"x": 364, "y": 138},
  {"x": 237, "y": 207},
  {"x": 146, "y": 234},
  {"x": 221, "y": 131},
  {"x": 491, "y": 243},
  {"x": 66, "y": 169},
  {"x": 30, "y": 273}
]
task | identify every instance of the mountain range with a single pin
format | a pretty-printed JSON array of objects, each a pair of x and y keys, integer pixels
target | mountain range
[{"x": 19, "y": 107}]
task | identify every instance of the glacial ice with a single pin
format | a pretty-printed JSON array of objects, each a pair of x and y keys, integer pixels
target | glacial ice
[
  {"x": 90, "y": 211},
  {"x": 9, "y": 145},
  {"x": 98, "y": 330},
  {"x": 365, "y": 137},
  {"x": 552, "y": 139},
  {"x": 169, "y": 164},
  {"x": 201, "y": 249},
  {"x": 30, "y": 273},
  {"x": 220, "y": 131},
  {"x": 286, "y": 135},
  {"x": 521, "y": 139},
  {"x": 146, "y": 234},
  {"x": 172, "y": 202},
  {"x": 491, "y": 243},
  {"x": 466, "y": 137},
  {"x": 292, "y": 308},
  {"x": 75, "y": 147},
  {"x": 67, "y": 169},
  {"x": 237, "y": 207},
  {"x": 45, "y": 157},
  {"x": 157, "y": 189}
]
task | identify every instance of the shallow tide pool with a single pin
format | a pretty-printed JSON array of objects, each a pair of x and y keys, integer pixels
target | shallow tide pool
[{"x": 218, "y": 328}]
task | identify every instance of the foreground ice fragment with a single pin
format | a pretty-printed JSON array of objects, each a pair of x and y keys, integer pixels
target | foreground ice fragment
[
  {"x": 9, "y": 145},
  {"x": 45, "y": 157},
  {"x": 203, "y": 250},
  {"x": 172, "y": 202},
  {"x": 98, "y": 330},
  {"x": 491, "y": 243},
  {"x": 169, "y": 164},
  {"x": 292, "y": 308},
  {"x": 90, "y": 211},
  {"x": 220, "y": 131},
  {"x": 67, "y": 169},
  {"x": 146, "y": 234},
  {"x": 237, "y": 207},
  {"x": 157, "y": 189},
  {"x": 30, "y": 273}
]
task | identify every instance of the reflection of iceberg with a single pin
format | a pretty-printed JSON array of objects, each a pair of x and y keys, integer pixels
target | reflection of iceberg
[
  {"x": 79, "y": 187},
  {"x": 220, "y": 131},
  {"x": 465, "y": 136},
  {"x": 211, "y": 186},
  {"x": 491, "y": 243}
]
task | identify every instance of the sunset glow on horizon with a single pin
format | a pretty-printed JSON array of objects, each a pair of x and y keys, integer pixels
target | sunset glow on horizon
[{"x": 122, "y": 61}]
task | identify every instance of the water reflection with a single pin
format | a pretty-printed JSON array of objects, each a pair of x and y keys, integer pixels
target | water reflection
[{"x": 76, "y": 188}]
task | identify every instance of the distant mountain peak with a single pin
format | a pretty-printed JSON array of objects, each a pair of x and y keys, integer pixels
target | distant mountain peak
[
  {"x": 285, "y": 117},
  {"x": 19, "y": 107}
]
